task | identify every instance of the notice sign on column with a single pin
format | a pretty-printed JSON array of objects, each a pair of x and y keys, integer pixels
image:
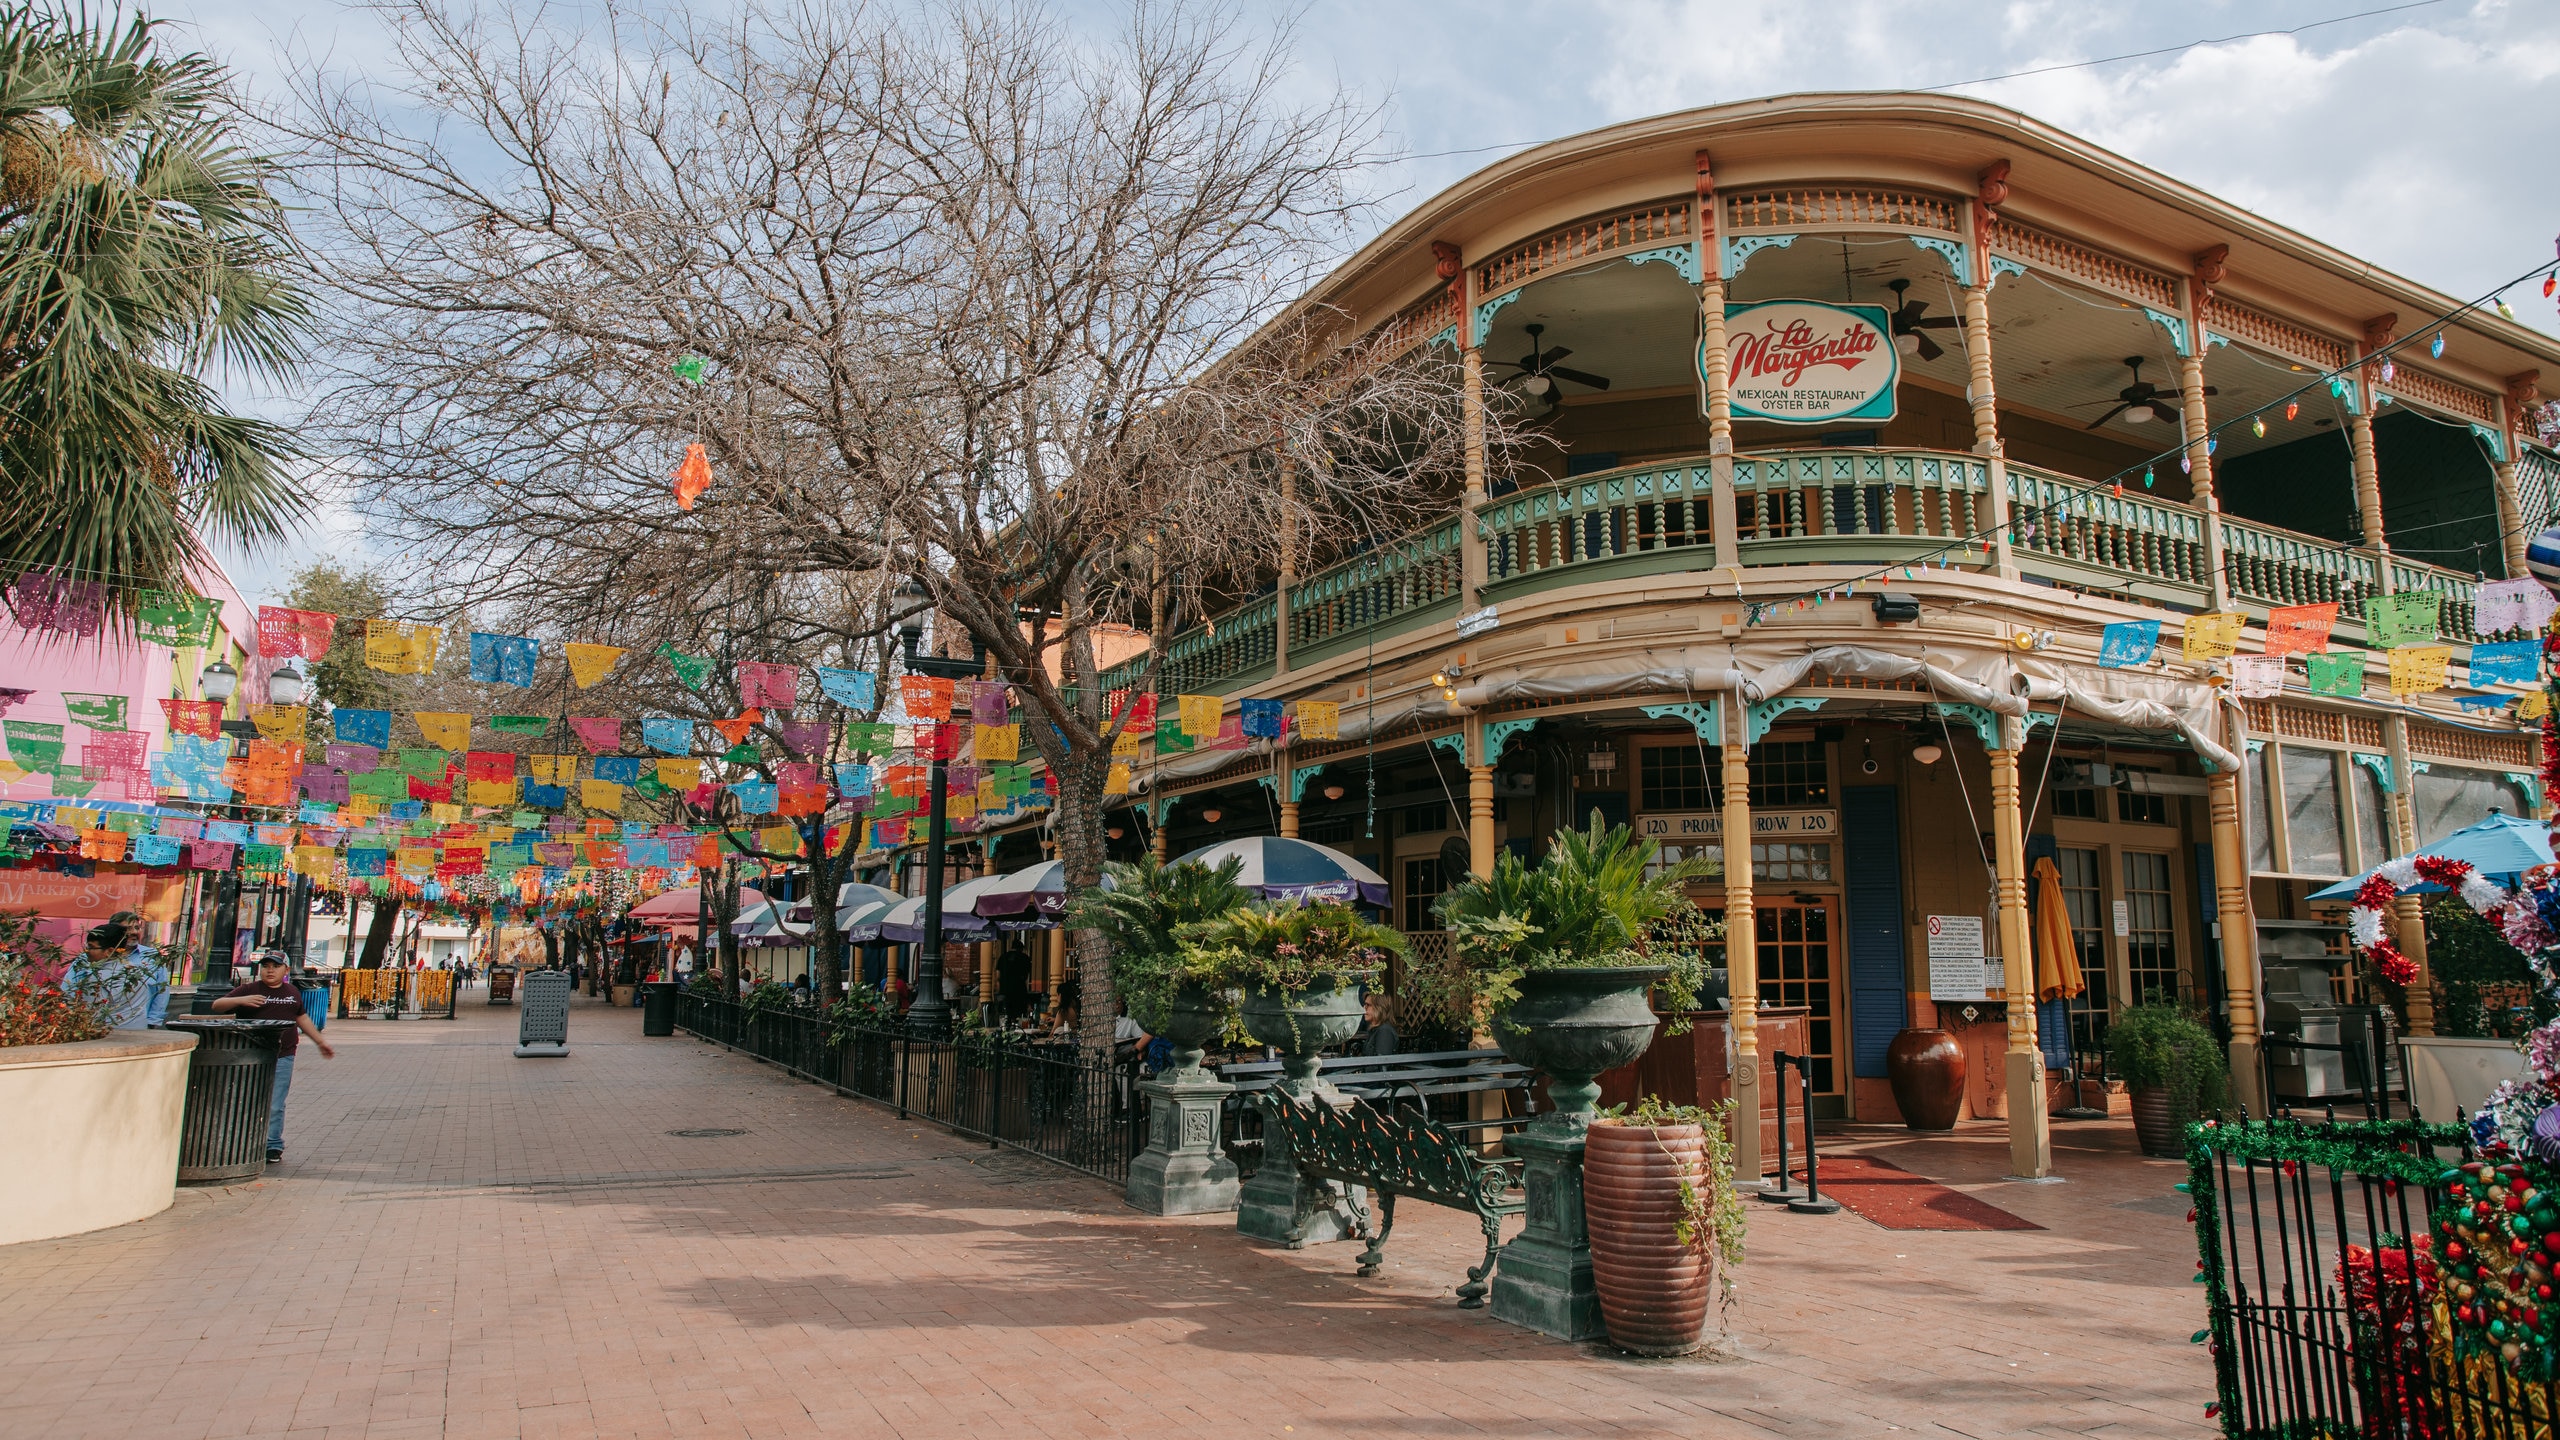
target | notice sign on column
[{"x": 1956, "y": 971}]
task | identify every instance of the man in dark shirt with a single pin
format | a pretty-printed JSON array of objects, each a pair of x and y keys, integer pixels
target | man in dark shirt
[
  {"x": 272, "y": 996},
  {"x": 1013, "y": 981}
]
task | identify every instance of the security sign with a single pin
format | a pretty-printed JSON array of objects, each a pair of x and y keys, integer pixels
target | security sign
[{"x": 1804, "y": 362}]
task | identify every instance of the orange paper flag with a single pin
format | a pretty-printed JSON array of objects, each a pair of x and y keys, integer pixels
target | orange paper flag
[{"x": 692, "y": 477}]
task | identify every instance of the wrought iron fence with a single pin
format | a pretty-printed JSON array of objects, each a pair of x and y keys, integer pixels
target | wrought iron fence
[
  {"x": 1050, "y": 1100},
  {"x": 2341, "y": 1293}
]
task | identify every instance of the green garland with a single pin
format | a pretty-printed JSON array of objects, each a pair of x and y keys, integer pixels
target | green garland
[{"x": 2386, "y": 1149}]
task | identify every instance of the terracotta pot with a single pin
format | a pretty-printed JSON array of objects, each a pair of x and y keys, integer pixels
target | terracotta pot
[
  {"x": 1926, "y": 1068},
  {"x": 2157, "y": 1126},
  {"x": 1653, "y": 1289}
]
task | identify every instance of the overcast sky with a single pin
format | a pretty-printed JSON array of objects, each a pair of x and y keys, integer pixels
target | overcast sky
[{"x": 2419, "y": 139}]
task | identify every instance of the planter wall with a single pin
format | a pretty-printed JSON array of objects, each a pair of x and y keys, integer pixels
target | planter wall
[{"x": 91, "y": 1132}]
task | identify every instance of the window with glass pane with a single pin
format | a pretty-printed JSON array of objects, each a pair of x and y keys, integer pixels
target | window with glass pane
[
  {"x": 1794, "y": 941},
  {"x": 2136, "y": 809},
  {"x": 2312, "y": 822},
  {"x": 2447, "y": 799},
  {"x": 2087, "y": 909},
  {"x": 1782, "y": 861},
  {"x": 1792, "y": 775},
  {"x": 1675, "y": 778},
  {"x": 1667, "y": 856},
  {"x": 1421, "y": 890},
  {"x": 2151, "y": 941},
  {"x": 2262, "y": 830},
  {"x": 2373, "y": 818}
]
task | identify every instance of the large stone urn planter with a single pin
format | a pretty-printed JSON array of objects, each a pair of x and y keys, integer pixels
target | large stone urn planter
[
  {"x": 1278, "y": 1204},
  {"x": 90, "y": 1130},
  {"x": 1184, "y": 1170},
  {"x": 1570, "y": 1025},
  {"x": 1654, "y": 1286}
]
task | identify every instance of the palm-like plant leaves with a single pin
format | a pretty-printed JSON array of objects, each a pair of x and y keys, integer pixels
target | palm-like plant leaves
[{"x": 139, "y": 247}]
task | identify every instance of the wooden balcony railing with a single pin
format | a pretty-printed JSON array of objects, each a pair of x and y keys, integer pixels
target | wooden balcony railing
[{"x": 1848, "y": 506}]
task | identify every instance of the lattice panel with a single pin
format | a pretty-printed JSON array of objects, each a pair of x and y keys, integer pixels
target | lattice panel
[
  {"x": 1419, "y": 321},
  {"x": 2064, "y": 257},
  {"x": 2364, "y": 730},
  {"x": 2436, "y": 392},
  {"x": 2280, "y": 337},
  {"x": 1794, "y": 209},
  {"x": 2514, "y": 751},
  {"x": 1643, "y": 227},
  {"x": 2295, "y": 722}
]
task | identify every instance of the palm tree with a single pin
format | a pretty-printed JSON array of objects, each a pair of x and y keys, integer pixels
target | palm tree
[{"x": 139, "y": 250}]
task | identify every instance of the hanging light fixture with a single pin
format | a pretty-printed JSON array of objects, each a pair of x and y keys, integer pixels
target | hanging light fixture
[
  {"x": 218, "y": 682},
  {"x": 1212, "y": 817},
  {"x": 1333, "y": 792},
  {"x": 288, "y": 686},
  {"x": 1926, "y": 754}
]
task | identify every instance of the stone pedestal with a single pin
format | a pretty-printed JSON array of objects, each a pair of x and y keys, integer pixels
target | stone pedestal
[
  {"x": 1544, "y": 1280},
  {"x": 1183, "y": 1171},
  {"x": 1285, "y": 1208}
]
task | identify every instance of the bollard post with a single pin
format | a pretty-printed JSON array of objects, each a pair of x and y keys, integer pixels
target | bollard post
[
  {"x": 1812, "y": 1202},
  {"x": 1783, "y": 1190}
]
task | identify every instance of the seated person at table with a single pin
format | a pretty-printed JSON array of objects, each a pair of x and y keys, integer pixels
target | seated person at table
[
  {"x": 1378, "y": 1035},
  {"x": 1128, "y": 1037}
]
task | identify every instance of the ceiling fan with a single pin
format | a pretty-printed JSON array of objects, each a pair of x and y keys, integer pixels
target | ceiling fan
[
  {"x": 1908, "y": 322},
  {"x": 1540, "y": 371},
  {"x": 2139, "y": 402}
]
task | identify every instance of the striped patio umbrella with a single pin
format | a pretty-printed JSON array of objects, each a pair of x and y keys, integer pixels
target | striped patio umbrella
[{"x": 1282, "y": 869}]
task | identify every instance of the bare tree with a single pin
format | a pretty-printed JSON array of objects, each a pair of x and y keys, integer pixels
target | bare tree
[{"x": 976, "y": 302}]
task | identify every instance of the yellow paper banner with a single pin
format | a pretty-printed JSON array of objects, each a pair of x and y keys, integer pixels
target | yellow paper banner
[
  {"x": 314, "y": 860},
  {"x": 445, "y": 729},
  {"x": 600, "y": 795},
  {"x": 2213, "y": 635},
  {"x": 779, "y": 839},
  {"x": 1117, "y": 782},
  {"x": 554, "y": 769},
  {"x": 492, "y": 792},
  {"x": 988, "y": 799},
  {"x": 591, "y": 663},
  {"x": 443, "y": 812},
  {"x": 279, "y": 722},
  {"x": 999, "y": 742},
  {"x": 1319, "y": 720},
  {"x": 1200, "y": 714},
  {"x": 680, "y": 774},
  {"x": 400, "y": 647},
  {"x": 1125, "y": 745},
  {"x": 961, "y": 807},
  {"x": 2416, "y": 669},
  {"x": 2532, "y": 705}
]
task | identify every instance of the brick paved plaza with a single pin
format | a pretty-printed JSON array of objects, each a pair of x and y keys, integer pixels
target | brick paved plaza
[{"x": 464, "y": 1244}]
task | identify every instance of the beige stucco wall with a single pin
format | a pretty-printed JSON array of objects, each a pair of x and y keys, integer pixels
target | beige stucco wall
[{"x": 90, "y": 1131}]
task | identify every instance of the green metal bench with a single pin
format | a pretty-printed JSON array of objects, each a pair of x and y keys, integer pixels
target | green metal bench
[{"x": 1400, "y": 1150}]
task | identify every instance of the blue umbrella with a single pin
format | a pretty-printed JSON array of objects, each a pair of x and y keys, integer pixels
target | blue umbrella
[
  {"x": 2501, "y": 848},
  {"x": 1282, "y": 869}
]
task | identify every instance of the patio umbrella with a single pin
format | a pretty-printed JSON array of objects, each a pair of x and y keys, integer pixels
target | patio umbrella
[
  {"x": 2058, "y": 974},
  {"x": 1282, "y": 869},
  {"x": 2501, "y": 848},
  {"x": 850, "y": 896},
  {"x": 768, "y": 924},
  {"x": 861, "y": 924},
  {"x": 904, "y": 923},
  {"x": 681, "y": 909},
  {"x": 1038, "y": 895}
]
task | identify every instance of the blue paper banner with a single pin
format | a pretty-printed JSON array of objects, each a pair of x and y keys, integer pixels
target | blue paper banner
[
  {"x": 503, "y": 659},
  {"x": 155, "y": 850},
  {"x": 2128, "y": 642},
  {"x": 756, "y": 797},
  {"x": 2508, "y": 662},
  {"x": 622, "y": 769},
  {"x": 367, "y": 862},
  {"x": 667, "y": 734},
  {"x": 853, "y": 780},
  {"x": 1262, "y": 719},
  {"x": 852, "y": 689},
  {"x": 549, "y": 797},
  {"x": 363, "y": 727}
]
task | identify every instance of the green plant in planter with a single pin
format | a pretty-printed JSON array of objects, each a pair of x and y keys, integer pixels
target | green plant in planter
[
  {"x": 1144, "y": 916},
  {"x": 1590, "y": 903},
  {"x": 2158, "y": 1046},
  {"x": 1281, "y": 945},
  {"x": 862, "y": 1008}
]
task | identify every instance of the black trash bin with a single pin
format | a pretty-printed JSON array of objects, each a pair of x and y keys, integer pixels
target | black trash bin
[
  {"x": 658, "y": 1008},
  {"x": 230, "y": 1079}
]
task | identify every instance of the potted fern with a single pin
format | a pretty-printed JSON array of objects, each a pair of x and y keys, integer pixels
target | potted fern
[
  {"x": 2175, "y": 1070},
  {"x": 1555, "y": 955},
  {"x": 1145, "y": 912},
  {"x": 1300, "y": 967}
]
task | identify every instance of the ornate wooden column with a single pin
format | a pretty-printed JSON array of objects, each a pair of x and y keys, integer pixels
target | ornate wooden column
[
  {"x": 1741, "y": 945},
  {"x": 1717, "y": 362},
  {"x": 2408, "y": 918},
  {"x": 2523, "y": 391},
  {"x": 2378, "y": 332},
  {"x": 1479, "y": 801},
  {"x": 1991, "y": 191},
  {"x": 1288, "y": 569},
  {"x": 2209, "y": 270},
  {"x": 2030, "y": 1137},
  {"x": 1286, "y": 772},
  {"x": 2239, "y": 945},
  {"x": 1449, "y": 263}
]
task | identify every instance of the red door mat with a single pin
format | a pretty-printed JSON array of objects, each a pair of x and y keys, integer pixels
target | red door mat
[{"x": 1896, "y": 1199}]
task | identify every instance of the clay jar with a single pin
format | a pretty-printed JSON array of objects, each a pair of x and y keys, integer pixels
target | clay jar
[
  {"x": 1926, "y": 1068},
  {"x": 1653, "y": 1288}
]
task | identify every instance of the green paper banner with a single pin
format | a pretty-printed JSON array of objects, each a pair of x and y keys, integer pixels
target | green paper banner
[
  {"x": 2338, "y": 672},
  {"x": 2408, "y": 618},
  {"x": 98, "y": 712},
  {"x": 691, "y": 670},
  {"x": 520, "y": 724},
  {"x": 35, "y": 745},
  {"x": 182, "y": 622}
]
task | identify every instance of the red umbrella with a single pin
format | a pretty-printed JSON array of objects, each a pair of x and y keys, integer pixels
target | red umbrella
[{"x": 682, "y": 909}]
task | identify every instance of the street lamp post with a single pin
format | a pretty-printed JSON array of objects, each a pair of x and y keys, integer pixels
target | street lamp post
[
  {"x": 219, "y": 682},
  {"x": 929, "y": 1013}
]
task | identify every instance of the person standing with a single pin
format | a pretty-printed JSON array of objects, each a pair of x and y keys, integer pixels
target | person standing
[
  {"x": 131, "y": 973},
  {"x": 1013, "y": 981},
  {"x": 272, "y": 997}
]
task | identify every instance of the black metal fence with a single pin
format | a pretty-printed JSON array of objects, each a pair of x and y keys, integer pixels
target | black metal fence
[
  {"x": 2332, "y": 1291},
  {"x": 1050, "y": 1100}
]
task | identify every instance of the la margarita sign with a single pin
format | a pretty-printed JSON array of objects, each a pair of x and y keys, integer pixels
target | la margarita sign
[{"x": 1803, "y": 362}]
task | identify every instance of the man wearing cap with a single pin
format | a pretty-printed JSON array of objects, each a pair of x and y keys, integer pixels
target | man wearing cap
[{"x": 272, "y": 996}]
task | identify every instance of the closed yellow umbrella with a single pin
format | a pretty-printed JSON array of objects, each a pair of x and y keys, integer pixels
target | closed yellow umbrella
[{"x": 2057, "y": 954}]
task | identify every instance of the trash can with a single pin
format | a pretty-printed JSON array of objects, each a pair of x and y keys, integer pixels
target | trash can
[
  {"x": 230, "y": 1076},
  {"x": 658, "y": 1008}
]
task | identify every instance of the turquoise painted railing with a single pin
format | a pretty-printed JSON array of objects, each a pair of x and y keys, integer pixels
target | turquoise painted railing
[
  {"x": 1791, "y": 507},
  {"x": 2097, "y": 532}
]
